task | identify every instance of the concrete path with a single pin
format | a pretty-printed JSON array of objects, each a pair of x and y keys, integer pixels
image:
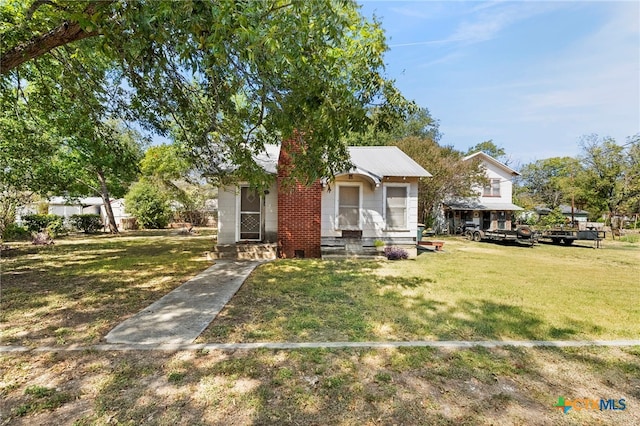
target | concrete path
[{"x": 179, "y": 317}]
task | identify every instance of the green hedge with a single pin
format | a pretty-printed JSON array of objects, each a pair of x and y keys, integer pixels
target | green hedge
[
  {"x": 88, "y": 223},
  {"x": 51, "y": 223}
]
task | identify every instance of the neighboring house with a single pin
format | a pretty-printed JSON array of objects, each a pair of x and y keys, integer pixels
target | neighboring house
[
  {"x": 66, "y": 208},
  {"x": 578, "y": 215},
  {"x": 377, "y": 199},
  {"x": 492, "y": 208}
]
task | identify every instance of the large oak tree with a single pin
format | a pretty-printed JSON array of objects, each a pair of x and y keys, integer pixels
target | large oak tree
[{"x": 224, "y": 76}]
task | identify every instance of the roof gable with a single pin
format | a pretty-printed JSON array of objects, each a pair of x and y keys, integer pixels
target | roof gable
[{"x": 484, "y": 157}]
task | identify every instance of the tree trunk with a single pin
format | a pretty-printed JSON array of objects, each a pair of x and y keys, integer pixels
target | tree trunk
[{"x": 104, "y": 194}]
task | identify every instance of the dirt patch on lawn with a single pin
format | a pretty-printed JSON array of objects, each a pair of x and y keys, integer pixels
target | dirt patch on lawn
[{"x": 503, "y": 386}]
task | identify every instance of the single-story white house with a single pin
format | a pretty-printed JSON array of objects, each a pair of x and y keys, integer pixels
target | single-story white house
[{"x": 376, "y": 200}]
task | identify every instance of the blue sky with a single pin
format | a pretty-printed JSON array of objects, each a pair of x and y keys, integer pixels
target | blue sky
[{"x": 532, "y": 76}]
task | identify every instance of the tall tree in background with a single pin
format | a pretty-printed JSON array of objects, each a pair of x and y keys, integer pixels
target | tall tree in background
[
  {"x": 101, "y": 162},
  {"x": 418, "y": 123},
  {"x": 490, "y": 148},
  {"x": 549, "y": 182},
  {"x": 611, "y": 176},
  {"x": 450, "y": 175},
  {"x": 78, "y": 147},
  {"x": 229, "y": 76}
]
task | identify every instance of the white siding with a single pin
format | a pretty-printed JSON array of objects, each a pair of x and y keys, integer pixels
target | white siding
[
  {"x": 228, "y": 215},
  {"x": 271, "y": 214},
  {"x": 506, "y": 185},
  {"x": 372, "y": 214}
]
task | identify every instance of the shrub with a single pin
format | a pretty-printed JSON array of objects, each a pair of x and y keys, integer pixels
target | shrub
[
  {"x": 149, "y": 205},
  {"x": 88, "y": 223},
  {"x": 630, "y": 238},
  {"x": 51, "y": 223},
  {"x": 15, "y": 232},
  {"x": 395, "y": 253},
  {"x": 554, "y": 218}
]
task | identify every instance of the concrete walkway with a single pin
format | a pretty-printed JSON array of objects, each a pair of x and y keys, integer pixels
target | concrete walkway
[{"x": 179, "y": 317}]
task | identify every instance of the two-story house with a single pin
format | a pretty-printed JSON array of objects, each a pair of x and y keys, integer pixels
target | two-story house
[{"x": 492, "y": 208}]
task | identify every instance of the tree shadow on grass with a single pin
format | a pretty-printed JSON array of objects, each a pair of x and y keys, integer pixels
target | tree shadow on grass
[{"x": 76, "y": 291}]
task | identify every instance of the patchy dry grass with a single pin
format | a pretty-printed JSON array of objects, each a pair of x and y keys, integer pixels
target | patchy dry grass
[
  {"x": 349, "y": 387},
  {"x": 75, "y": 291},
  {"x": 473, "y": 291},
  {"x": 78, "y": 289}
]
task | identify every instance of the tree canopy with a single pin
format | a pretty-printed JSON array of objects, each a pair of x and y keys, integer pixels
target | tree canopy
[
  {"x": 604, "y": 179},
  {"x": 223, "y": 77}
]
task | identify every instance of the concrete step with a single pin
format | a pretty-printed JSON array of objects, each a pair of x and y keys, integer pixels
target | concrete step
[{"x": 245, "y": 251}]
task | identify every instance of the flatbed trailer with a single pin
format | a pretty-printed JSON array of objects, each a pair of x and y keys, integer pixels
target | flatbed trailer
[
  {"x": 521, "y": 235},
  {"x": 568, "y": 236}
]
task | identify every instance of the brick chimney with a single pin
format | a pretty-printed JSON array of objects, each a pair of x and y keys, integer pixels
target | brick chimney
[{"x": 299, "y": 209}]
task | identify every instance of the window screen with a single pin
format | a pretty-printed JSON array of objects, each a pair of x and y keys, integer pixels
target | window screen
[{"x": 396, "y": 211}]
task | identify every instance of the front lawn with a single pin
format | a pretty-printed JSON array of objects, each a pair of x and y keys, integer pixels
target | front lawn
[
  {"x": 472, "y": 291},
  {"x": 77, "y": 290}
]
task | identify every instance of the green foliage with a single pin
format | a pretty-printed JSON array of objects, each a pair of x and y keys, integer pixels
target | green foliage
[
  {"x": 611, "y": 177},
  {"x": 450, "y": 175},
  {"x": 554, "y": 218},
  {"x": 88, "y": 223},
  {"x": 631, "y": 238},
  {"x": 167, "y": 167},
  {"x": 490, "y": 148},
  {"x": 222, "y": 77},
  {"x": 50, "y": 223},
  {"x": 550, "y": 182},
  {"x": 148, "y": 205},
  {"x": 418, "y": 124},
  {"x": 15, "y": 232}
]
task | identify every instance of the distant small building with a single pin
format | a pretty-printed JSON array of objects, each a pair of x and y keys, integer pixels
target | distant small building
[
  {"x": 67, "y": 207},
  {"x": 578, "y": 214}
]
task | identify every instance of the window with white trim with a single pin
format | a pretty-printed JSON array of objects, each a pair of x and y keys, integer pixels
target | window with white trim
[
  {"x": 396, "y": 199},
  {"x": 493, "y": 189},
  {"x": 348, "y": 207}
]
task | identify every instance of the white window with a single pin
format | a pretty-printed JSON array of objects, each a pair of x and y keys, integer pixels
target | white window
[
  {"x": 348, "y": 206},
  {"x": 493, "y": 189},
  {"x": 396, "y": 206}
]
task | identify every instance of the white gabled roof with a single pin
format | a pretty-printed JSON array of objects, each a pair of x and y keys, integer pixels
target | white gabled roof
[{"x": 489, "y": 159}]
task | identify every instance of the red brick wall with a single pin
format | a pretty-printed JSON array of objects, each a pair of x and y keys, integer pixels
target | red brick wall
[{"x": 299, "y": 209}]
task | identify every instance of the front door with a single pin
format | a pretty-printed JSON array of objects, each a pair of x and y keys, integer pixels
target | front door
[{"x": 250, "y": 218}]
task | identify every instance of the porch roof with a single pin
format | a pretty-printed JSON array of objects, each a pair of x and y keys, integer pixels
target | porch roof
[{"x": 474, "y": 204}]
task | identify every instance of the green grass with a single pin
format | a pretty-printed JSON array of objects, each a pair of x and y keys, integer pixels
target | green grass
[
  {"x": 75, "y": 291},
  {"x": 473, "y": 291},
  {"x": 78, "y": 289}
]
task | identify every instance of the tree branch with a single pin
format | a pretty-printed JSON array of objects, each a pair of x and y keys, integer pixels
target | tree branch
[{"x": 65, "y": 33}]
